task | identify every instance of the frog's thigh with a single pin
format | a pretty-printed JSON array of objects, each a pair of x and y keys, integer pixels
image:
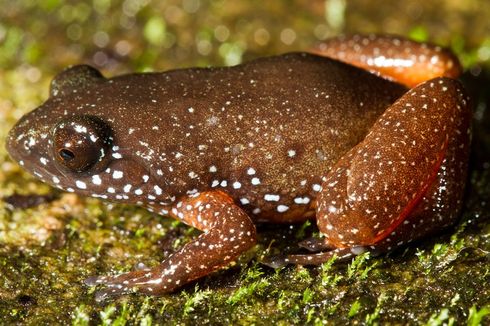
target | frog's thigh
[
  {"x": 228, "y": 231},
  {"x": 393, "y": 57},
  {"x": 441, "y": 204},
  {"x": 413, "y": 159}
]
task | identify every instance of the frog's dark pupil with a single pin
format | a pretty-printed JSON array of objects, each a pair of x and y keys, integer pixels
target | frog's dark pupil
[{"x": 66, "y": 154}]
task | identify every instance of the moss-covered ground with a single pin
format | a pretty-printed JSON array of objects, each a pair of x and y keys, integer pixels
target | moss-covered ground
[{"x": 47, "y": 250}]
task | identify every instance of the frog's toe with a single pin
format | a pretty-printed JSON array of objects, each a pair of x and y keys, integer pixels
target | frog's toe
[
  {"x": 114, "y": 286},
  {"x": 94, "y": 280},
  {"x": 276, "y": 261},
  {"x": 315, "y": 244},
  {"x": 141, "y": 267},
  {"x": 111, "y": 292},
  {"x": 118, "y": 284}
]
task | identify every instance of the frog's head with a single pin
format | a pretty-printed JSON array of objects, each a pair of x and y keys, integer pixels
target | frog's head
[{"x": 71, "y": 144}]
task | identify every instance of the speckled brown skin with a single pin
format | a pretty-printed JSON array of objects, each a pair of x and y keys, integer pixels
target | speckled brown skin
[
  {"x": 404, "y": 61},
  {"x": 276, "y": 139},
  {"x": 423, "y": 191}
]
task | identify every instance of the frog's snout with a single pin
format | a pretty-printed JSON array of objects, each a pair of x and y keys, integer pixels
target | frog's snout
[
  {"x": 25, "y": 141},
  {"x": 12, "y": 143}
]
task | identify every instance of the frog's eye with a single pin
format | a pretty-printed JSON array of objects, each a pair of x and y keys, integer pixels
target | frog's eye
[{"x": 81, "y": 142}]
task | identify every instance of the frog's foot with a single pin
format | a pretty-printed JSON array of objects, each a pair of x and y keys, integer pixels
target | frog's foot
[
  {"x": 161, "y": 279},
  {"x": 393, "y": 57},
  {"x": 315, "y": 244},
  {"x": 342, "y": 254},
  {"x": 228, "y": 231}
]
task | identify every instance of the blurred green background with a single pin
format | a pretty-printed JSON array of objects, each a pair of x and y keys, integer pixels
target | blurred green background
[{"x": 47, "y": 250}]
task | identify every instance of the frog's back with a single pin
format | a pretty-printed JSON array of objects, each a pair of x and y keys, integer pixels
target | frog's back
[{"x": 265, "y": 131}]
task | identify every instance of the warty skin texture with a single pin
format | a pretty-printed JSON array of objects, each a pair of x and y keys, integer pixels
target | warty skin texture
[{"x": 279, "y": 139}]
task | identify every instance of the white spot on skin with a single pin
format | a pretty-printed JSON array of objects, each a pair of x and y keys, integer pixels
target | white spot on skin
[
  {"x": 282, "y": 208},
  {"x": 43, "y": 160},
  {"x": 56, "y": 180},
  {"x": 138, "y": 192},
  {"x": 302, "y": 200},
  {"x": 317, "y": 187},
  {"x": 244, "y": 201},
  {"x": 127, "y": 188},
  {"x": 117, "y": 174},
  {"x": 237, "y": 185},
  {"x": 255, "y": 181},
  {"x": 291, "y": 153},
  {"x": 81, "y": 184},
  {"x": 96, "y": 180},
  {"x": 213, "y": 169},
  {"x": 251, "y": 171},
  {"x": 158, "y": 190},
  {"x": 80, "y": 129},
  {"x": 271, "y": 197}
]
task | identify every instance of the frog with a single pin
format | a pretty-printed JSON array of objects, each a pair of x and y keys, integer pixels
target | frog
[{"x": 369, "y": 135}]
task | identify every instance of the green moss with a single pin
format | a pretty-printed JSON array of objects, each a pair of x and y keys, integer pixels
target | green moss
[
  {"x": 476, "y": 316},
  {"x": 354, "y": 309}
]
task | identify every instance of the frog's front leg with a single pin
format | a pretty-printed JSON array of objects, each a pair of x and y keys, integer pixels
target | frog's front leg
[
  {"x": 228, "y": 232},
  {"x": 404, "y": 181}
]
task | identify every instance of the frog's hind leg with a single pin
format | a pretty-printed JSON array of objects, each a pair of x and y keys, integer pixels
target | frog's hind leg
[
  {"x": 404, "y": 181},
  {"x": 314, "y": 244},
  {"x": 393, "y": 57},
  {"x": 228, "y": 232},
  {"x": 380, "y": 182}
]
